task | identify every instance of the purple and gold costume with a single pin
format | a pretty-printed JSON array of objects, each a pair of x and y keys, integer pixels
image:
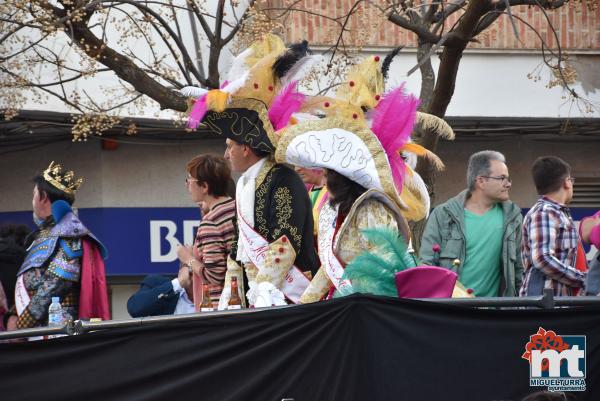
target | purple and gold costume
[{"x": 52, "y": 266}]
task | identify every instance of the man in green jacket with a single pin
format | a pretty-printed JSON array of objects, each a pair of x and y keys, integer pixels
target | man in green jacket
[{"x": 478, "y": 232}]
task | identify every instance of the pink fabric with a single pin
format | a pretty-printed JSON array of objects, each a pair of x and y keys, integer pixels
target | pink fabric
[
  {"x": 197, "y": 280},
  {"x": 425, "y": 282},
  {"x": 93, "y": 298},
  {"x": 595, "y": 233},
  {"x": 198, "y": 112},
  {"x": 595, "y": 236},
  {"x": 3, "y": 307},
  {"x": 197, "y": 284}
]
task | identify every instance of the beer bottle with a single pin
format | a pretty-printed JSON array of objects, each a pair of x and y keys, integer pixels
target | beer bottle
[
  {"x": 234, "y": 301},
  {"x": 206, "y": 305}
]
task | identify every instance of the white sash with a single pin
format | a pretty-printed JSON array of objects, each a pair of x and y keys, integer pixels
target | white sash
[
  {"x": 332, "y": 265},
  {"x": 256, "y": 246},
  {"x": 21, "y": 296},
  {"x": 22, "y": 299}
]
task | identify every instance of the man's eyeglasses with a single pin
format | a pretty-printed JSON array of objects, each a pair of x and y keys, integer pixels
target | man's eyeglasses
[
  {"x": 505, "y": 179},
  {"x": 189, "y": 179},
  {"x": 572, "y": 179}
]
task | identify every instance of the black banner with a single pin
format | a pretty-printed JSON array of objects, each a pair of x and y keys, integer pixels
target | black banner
[{"x": 355, "y": 348}]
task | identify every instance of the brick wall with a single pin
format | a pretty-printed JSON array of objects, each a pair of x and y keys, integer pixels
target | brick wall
[{"x": 577, "y": 27}]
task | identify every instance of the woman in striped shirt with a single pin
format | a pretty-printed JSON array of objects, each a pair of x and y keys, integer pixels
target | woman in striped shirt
[{"x": 208, "y": 179}]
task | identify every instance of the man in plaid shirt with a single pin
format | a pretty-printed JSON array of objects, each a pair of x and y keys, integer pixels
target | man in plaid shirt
[{"x": 549, "y": 241}]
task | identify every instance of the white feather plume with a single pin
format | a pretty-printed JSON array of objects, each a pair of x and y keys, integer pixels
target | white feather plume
[
  {"x": 300, "y": 69},
  {"x": 239, "y": 66},
  {"x": 235, "y": 85},
  {"x": 193, "y": 91}
]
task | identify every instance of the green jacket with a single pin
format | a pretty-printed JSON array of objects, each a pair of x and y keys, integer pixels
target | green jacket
[{"x": 446, "y": 227}]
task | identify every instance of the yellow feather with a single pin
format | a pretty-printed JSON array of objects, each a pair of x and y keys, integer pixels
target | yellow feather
[
  {"x": 217, "y": 100},
  {"x": 415, "y": 210},
  {"x": 424, "y": 153},
  {"x": 429, "y": 122}
]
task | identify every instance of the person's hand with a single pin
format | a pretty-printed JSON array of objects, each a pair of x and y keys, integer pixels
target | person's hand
[
  {"x": 197, "y": 267},
  {"x": 185, "y": 277},
  {"x": 203, "y": 208},
  {"x": 11, "y": 323},
  {"x": 184, "y": 253}
]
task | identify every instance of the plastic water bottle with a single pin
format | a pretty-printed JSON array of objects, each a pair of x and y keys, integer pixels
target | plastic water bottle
[{"x": 56, "y": 315}]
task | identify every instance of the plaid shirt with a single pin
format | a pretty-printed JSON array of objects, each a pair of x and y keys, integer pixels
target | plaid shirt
[{"x": 548, "y": 249}]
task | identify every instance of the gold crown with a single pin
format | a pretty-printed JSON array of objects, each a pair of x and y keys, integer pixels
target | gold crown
[{"x": 62, "y": 181}]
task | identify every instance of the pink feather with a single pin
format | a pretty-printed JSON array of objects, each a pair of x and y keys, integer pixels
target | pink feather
[
  {"x": 286, "y": 103},
  {"x": 198, "y": 112},
  {"x": 393, "y": 122}
]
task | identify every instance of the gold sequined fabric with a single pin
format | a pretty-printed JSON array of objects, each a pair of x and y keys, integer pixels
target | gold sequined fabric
[{"x": 350, "y": 242}]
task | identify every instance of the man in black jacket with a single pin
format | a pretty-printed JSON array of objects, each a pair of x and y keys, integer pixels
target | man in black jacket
[{"x": 275, "y": 241}]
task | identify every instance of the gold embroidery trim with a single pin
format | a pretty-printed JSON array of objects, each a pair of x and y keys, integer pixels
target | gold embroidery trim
[
  {"x": 284, "y": 210},
  {"x": 260, "y": 108},
  {"x": 263, "y": 182}
]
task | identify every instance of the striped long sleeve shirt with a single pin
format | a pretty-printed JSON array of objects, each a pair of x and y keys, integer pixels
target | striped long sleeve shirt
[
  {"x": 549, "y": 249},
  {"x": 214, "y": 238}
]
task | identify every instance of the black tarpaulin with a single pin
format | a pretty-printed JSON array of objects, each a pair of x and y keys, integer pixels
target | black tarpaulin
[{"x": 353, "y": 348}]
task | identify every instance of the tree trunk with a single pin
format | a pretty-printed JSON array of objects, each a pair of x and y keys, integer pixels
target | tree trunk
[
  {"x": 446, "y": 82},
  {"x": 426, "y": 95}
]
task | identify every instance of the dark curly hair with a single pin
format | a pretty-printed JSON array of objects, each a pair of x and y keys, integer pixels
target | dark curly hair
[{"x": 343, "y": 191}]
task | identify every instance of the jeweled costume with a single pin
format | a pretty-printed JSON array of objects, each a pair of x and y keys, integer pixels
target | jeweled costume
[
  {"x": 349, "y": 148},
  {"x": 275, "y": 241},
  {"x": 361, "y": 138},
  {"x": 356, "y": 100},
  {"x": 63, "y": 257}
]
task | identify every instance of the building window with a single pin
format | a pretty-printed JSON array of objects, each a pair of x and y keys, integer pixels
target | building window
[{"x": 586, "y": 192}]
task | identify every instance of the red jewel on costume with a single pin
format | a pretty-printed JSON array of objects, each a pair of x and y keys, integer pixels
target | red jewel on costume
[
  {"x": 255, "y": 86},
  {"x": 377, "y": 97},
  {"x": 270, "y": 88},
  {"x": 355, "y": 116},
  {"x": 326, "y": 104},
  {"x": 376, "y": 58},
  {"x": 284, "y": 240},
  {"x": 277, "y": 260},
  {"x": 281, "y": 250},
  {"x": 469, "y": 290},
  {"x": 351, "y": 83}
]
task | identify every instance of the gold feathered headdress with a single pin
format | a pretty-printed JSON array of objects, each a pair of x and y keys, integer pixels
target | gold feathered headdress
[
  {"x": 357, "y": 97},
  {"x": 260, "y": 96}
]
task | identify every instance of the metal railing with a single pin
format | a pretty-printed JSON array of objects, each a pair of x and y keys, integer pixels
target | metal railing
[{"x": 78, "y": 327}]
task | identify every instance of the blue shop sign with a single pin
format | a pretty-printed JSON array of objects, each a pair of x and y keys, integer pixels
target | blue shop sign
[{"x": 141, "y": 241}]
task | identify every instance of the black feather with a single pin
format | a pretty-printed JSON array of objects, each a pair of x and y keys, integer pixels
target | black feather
[
  {"x": 387, "y": 61},
  {"x": 291, "y": 56}
]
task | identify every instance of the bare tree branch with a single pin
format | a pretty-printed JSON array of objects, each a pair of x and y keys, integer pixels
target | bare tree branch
[{"x": 165, "y": 25}]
